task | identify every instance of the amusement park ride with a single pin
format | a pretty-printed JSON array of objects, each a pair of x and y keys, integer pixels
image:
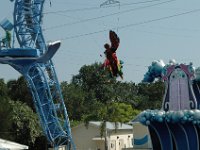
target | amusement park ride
[
  {"x": 33, "y": 60},
  {"x": 176, "y": 126}
]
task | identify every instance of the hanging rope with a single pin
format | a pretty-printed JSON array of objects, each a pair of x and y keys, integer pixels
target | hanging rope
[{"x": 118, "y": 19}]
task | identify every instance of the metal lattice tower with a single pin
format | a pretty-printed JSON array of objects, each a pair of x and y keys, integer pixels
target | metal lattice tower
[{"x": 40, "y": 75}]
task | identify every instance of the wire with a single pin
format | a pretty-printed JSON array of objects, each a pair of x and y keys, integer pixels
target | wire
[
  {"x": 108, "y": 15},
  {"x": 167, "y": 34},
  {"x": 162, "y": 18},
  {"x": 134, "y": 24},
  {"x": 95, "y": 8}
]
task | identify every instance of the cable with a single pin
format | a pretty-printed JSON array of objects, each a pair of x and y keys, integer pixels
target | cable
[
  {"x": 95, "y": 8},
  {"x": 108, "y": 15},
  {"x": 166, "y": 34},
  {"x": 134, "y": 24},
  {"x": 162, "y": 18}
]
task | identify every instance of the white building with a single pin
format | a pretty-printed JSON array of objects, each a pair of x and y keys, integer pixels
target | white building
[
  {"x": 90, "y": 139},
  {"x": 8, "y": 145}
]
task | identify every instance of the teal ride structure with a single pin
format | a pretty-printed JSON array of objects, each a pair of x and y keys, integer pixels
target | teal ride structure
[
  {"x": 33, "y": 60},
  {"x": 176, "y": 126}
]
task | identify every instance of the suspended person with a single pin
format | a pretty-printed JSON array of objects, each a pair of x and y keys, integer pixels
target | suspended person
[
  {"x": 111, "y": 62},
  {"x": 7, "y": 40}
]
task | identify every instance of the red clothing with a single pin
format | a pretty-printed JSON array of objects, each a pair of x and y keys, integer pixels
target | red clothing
[
  {"x": 111, "y": 62},
  {"x": 110, "y": 57}
]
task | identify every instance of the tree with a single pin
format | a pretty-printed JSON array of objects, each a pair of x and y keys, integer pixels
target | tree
[
  {"x": 25, "y": 123},
  {"x": 122, "y": 112},
  {"x": 152, "y": 95},
  {"x": 96, "y": 85},
  {"x": 3, "y": 88},
  {"x": 19, "y": 90},
  {"x": 5, "y": 111},
  {"x": 18, "y": 122},
  {"x": 97, "y": 93},
  {"x": 74, "y": 99}
]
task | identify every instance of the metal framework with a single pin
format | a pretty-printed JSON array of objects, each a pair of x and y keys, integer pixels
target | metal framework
[
  {"x": 41, "y": 76},
  {"x": 109, "y": 2}
]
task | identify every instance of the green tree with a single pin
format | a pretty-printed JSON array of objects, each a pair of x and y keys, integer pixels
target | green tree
[
  {"x": 101, "y": 96},
  {"x": 3, "y": 88},
  {"x": 74, "y": 99},
  {"x": 97, "y": 93},
  {"x": 25, "y": 123},
  {"x": 5, "y": 111},
  {"x": 19, "y": 90},
  {"x": 96, "y": 85},
  {"x": 152, "y": 94},
  {"x": 123, "y": 112},
  {"x": 17, "y": 121}
]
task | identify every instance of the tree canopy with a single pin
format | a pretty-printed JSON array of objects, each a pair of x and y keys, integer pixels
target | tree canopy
[{"x": 91, "y": 95}]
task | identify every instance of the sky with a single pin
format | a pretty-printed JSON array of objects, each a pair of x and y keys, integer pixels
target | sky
[{"x": 148, "y": 30}]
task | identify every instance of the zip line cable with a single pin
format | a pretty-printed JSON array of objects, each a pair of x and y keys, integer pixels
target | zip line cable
[
  {"x": 134, "y": 24},
  {"x": 162, "y": 18},
  {"x": 108, "y": 15},
  {"x": 95, "y": 8}
]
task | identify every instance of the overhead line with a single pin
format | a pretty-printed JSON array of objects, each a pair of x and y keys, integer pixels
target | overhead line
[
  {"x": 134, "y": 24},
  {"x": 108, "y": 15},
  {"x": 158, "y": 19},
  {"x": 94, "y": 8}
]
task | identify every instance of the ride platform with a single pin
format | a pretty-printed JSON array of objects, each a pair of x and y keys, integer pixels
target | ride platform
[{"x": 19, "y": 52}]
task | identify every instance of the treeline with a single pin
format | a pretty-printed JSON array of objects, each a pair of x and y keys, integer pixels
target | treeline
[{"x": 90, "y": 95}]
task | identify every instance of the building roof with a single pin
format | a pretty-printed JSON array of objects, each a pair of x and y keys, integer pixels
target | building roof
[
  {"x": 8, "y": 145},
  {"x": 111, "y": 126}
]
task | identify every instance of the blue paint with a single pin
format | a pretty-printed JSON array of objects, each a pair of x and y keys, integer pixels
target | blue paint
[
  {"x": 33, "y": 61},
  {"x": 141, "y": 141},
  {"x": 19, "y": 52}
]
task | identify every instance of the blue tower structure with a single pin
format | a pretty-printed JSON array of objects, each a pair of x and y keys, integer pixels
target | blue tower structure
[
  {"x": 33, "y": 60},
  {"x": 176, "y": 126}
]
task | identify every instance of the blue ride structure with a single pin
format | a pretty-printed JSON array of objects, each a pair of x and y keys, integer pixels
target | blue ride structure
[{"x": 33, "y": 60}]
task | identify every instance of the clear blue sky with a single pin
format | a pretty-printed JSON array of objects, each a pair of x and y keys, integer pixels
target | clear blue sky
[{"x": 149, "y": 30}]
